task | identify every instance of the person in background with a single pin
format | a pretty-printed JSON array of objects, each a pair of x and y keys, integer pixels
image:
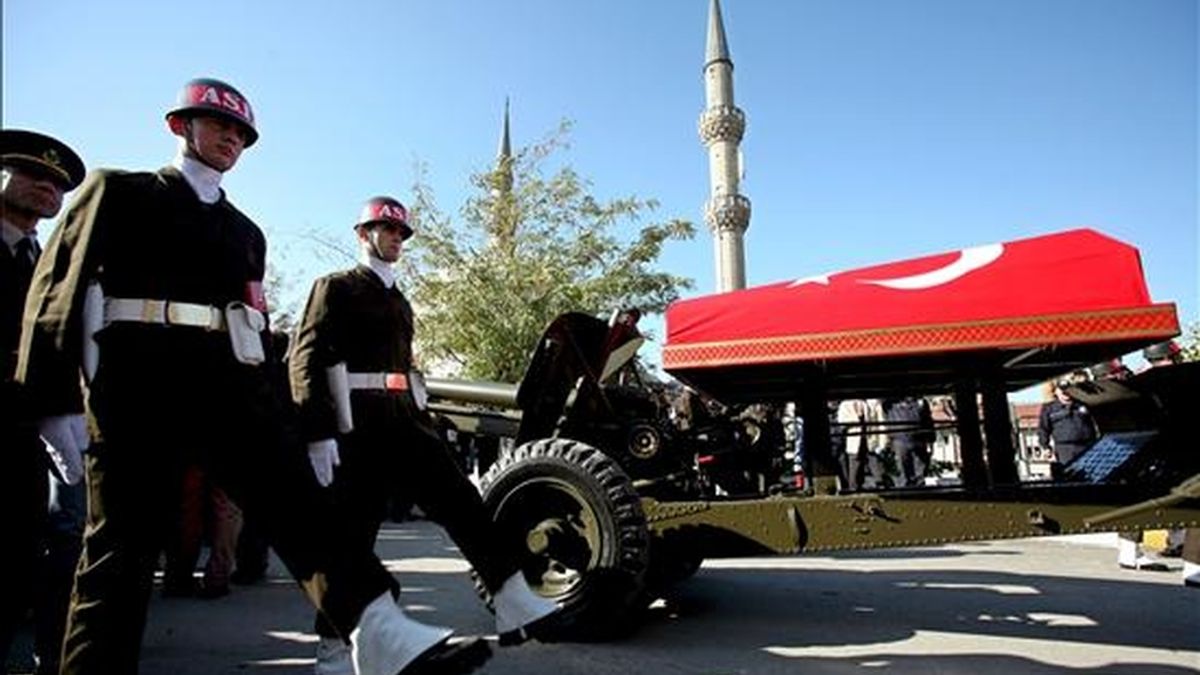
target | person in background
[
  {"x": 910, "y": 423},
  {"x": 1183, "y": 542},
  {"x": 206, "y": 513},
  {"x": 1066, "y": 425},
  {"x": 1112, "y": 369},
  {"x": 858, "y": 421},
  {"x": 252, "y": 554},
  {"x": 41, "y": 544},
  {"x": 1129, "y": 544}
]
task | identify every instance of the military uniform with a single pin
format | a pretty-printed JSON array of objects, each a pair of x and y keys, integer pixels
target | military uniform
[
  {"x": 165, "y": 396},
  {"x": 39, "y": 554},
  {"x": 351, "y": 317},
  {"x": 23, "y": 486}
]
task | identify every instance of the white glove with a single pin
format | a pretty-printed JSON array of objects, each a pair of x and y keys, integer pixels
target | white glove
[
  {"x": 324, "y": 456},
  {"x": 66, "y": 439}
]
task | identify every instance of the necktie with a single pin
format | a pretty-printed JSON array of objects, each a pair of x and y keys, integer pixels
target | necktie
[{"x": 24, "y": 262}]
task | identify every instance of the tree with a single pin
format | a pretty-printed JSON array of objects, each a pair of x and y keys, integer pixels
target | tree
[
  {"x": 276, "y": 288},
  {"x": 528, "y": 247},
  {"x": 1190, "y": 343}
]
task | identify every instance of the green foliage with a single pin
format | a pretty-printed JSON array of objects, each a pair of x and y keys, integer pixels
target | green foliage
[
  {"x": 1189, "y": 342},
  {"x": 526, "y": 248},
  {"x": 277, "y": 287}
]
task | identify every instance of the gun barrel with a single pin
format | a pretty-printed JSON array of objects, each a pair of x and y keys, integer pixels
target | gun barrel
[{"x": 481, "y": 392}]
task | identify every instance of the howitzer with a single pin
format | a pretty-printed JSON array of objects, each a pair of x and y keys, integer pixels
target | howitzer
[
  {"x": 617, "y": 485},
  {"x": 611, "y": 500}
]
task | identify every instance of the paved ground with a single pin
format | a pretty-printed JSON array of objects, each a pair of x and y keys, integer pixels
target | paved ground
[{"x": 1029, "y": 606}]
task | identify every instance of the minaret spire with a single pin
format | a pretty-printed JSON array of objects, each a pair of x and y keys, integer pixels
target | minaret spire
[
  {"x": 504, "y": 178},
  {"x": 722, "y": 125},
  {"x": 505, "y": 150},
  {"x": 718, "y": 49}
]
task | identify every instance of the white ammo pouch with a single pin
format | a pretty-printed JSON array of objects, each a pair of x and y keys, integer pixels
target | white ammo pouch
[{"x": 246, "y": 325}]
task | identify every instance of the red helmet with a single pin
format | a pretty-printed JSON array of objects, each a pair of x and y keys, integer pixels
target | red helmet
[
  {"x": 385, "y": 210},
  {"x": 206, "y": 96}
]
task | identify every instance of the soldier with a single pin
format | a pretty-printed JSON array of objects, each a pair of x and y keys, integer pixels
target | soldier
[
  {"x": 361, "y": 407},
  {"x": 169, "y": 275},
  {"x": 36, "y": 171}
]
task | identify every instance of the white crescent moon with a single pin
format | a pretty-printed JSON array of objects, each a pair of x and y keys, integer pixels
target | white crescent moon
[{"x": 969, "y": 260}]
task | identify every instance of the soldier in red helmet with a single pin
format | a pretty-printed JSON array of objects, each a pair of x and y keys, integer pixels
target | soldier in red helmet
[
  {"x": 159, "y": 278},
  {"x": 369, "y": 436}
]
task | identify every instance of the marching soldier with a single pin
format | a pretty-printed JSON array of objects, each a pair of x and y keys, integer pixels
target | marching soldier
[
  {"x": 159, "y": 277},
  {"x": 36, "y": 171},
  {"x": 361, "y": 406}
]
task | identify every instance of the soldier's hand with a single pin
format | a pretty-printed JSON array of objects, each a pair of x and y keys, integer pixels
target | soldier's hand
[
  {"x": 66, "y": 440},
  {"x": 323, "y": 455}
]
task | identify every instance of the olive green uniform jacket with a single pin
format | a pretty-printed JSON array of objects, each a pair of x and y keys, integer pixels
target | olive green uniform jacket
[
  {"x": 394, "y": 450},
  {"x": 166, "y": 397}
]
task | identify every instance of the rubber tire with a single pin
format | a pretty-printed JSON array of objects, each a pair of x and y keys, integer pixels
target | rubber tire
[{"x": 601, "y": 600}]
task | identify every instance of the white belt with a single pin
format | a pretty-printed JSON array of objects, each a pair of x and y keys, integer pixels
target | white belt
[
  {"x": 165, "y": 312},
  {"x": 378, "y": 381}
]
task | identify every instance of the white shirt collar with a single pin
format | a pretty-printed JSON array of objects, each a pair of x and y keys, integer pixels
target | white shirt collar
[
  {"x": 204, "y": 179},
  {"x": 383, "y": 270},
  {"x": 13, "y": 235}
]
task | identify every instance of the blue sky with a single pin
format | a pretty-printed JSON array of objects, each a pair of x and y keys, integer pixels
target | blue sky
[{"x": 877, "y": 129}]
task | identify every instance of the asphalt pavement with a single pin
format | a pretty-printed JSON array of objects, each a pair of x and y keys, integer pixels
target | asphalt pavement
[{"x": 1055, "y": 605}]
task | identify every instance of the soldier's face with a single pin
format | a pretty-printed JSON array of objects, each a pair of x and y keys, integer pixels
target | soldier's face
[
  {"x": 386, "y": 240},
  {"x": 216, "y": 141},
  {"x": 26, "y": 192}
]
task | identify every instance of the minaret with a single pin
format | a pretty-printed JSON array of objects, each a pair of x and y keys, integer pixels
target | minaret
[
  {"x": 502, "y": 227},
  {"x": 721, "y": 127},
  {"x": 504, "y": 156}
]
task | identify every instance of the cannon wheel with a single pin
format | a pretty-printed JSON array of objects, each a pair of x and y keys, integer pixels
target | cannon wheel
[{"x": 580, "y": 533}]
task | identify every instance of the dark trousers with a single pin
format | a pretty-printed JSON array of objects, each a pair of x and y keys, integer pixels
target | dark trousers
[
  {"x": 251, "y": 557},
  {"x": 134, "y": 478},
  {"x": 204, "y": 514},
  {"x": 63, "y": 540},
  {"x": 23, "y": 502},
  {"x": 859, "y": 465},
  {"x": 400, "y": 458},
  {"x": 1063, "y": 454},
  {"x": 913, "y": 460}
]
